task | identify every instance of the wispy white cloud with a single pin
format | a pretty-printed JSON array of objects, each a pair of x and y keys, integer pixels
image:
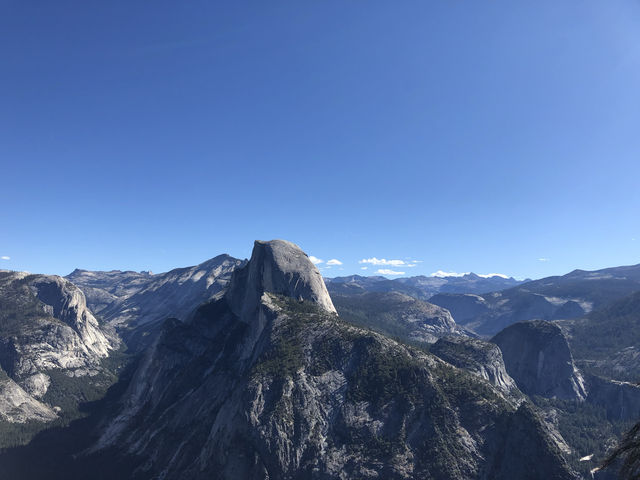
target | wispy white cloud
[
  {"x": 543, "y": 259},
  {"x": 315, "y": 260},
  {"x": 386, "y": 271},
  {"x": 364, "y": 268},
  {"x": 442, "y": 274},
  {"x": 383, "y": 261},
  {"x": 334, "y": 261},
  {"x": 4, "y": 257},
  {"x": 489, "y": 275}
]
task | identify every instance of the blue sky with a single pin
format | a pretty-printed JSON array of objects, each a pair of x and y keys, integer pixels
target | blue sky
[{"x": 469, "y": 136}]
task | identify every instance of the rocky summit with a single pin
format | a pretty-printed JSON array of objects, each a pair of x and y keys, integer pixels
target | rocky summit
[{"x": 281, "y": 268}]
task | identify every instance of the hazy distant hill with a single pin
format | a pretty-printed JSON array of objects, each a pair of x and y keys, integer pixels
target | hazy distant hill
[
  {"x": 421, "y": 287},
  {"x": 553, "y": 298}
]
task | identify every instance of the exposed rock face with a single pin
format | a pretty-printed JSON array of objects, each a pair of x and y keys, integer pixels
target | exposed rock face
[
  {"x": 621, "y": 399},
  {"x": 68, "y": 304},
  {"x": 45, "y": 325},
  {"x": 606, "y": 342},
  {"x": 465, "y": 308},
  {"x": 103, "y": 288},
  {"x": 397, "y": 315},
  {"x": 259, "y": 384},
  {"x": 49, "y": 327},
  {"x": 476, "y": 356},
  {"x": 278, "y": 267},
  {"x": 17, "y": 406},
  {"x": 144, "y": 299},
  {"x": 37, "y": 384},
  {"x": 537, "y": 356}
]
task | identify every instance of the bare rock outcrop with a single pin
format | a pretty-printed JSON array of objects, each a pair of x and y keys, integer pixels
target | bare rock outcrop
[
  {"x": 17, "y": 406},
  {"x": 142, "y": 300},
  {"x": 279, "y": 267},
  {"x": 537, "y": 356},
  {"x": 45, "y": 326},
  {"x": 476, "y": 356}
]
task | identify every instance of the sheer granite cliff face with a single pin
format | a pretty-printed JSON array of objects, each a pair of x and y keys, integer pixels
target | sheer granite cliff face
[
  {"x": 479, "y": 357},
  {"x": 537, "y": 356},
  {"x": 45, "y": 326},
  {"x": 67, "y": 303},
  {"x": 267, "y": 382},
  {"x": 17, "y": 406},
  {"x": 620, "y": 399},
  {"x": 281, "y": 268}
]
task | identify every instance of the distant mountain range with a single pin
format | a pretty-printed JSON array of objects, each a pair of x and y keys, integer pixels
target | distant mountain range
[
  {"x": 421, "y": 286},
  {"x": 552, "y": 298}
]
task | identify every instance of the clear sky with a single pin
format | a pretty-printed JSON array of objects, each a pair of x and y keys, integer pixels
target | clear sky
[{"x": 493, "y": 136}]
